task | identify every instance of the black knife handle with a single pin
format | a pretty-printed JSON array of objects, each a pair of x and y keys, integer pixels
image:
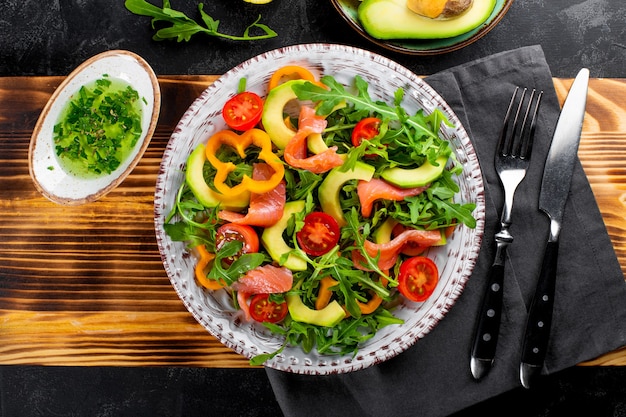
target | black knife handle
[
  {"x": 540, "y": 314},
  {"x": 488, "y": 325}
]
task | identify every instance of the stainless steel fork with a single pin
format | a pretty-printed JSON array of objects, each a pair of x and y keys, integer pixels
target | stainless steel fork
[{"x": 511, "y": 163}]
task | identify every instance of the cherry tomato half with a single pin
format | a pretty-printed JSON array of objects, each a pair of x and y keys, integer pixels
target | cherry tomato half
[
  {"x": 418, "y": 278},
  {"x": 365, "y": 129},
  {"x": 319, "y": 234},
  {"x": 243, "y": 233},
  {"x": 263, "y": 309},
  {"x": 243, "y": 111}
]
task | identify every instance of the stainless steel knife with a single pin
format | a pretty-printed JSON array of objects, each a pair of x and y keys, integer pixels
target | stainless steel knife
[{"x": 557, "y": 176}]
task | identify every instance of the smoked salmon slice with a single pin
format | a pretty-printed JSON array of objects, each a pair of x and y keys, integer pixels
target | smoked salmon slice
[
  {"x": 296, "y": 150},
  {"x": 376, "y": 189},
  {"x": 265, "y": 209},
  {"x": 390, "y": 251},
  {"x": 266, "y": 279}
]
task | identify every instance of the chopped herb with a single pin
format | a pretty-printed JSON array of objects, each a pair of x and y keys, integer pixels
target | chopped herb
[{"x": 98, "y": 128}]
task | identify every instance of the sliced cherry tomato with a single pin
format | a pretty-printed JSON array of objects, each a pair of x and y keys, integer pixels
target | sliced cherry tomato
[
  {"x": 243, "y": 111},
  {"x": 365, "y": 129},
  {"x": 319, "y": 234},
  {"x": 418, "y": 278},
  {"x": 264, "y": 309},
  {"x": 241, "y": 232}
]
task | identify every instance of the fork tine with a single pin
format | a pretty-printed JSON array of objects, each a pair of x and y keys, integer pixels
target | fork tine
[
  {"x": 504, "y": 145},
  {"x": 508, "y": 136},
  {"x": 526, "y": 141}
]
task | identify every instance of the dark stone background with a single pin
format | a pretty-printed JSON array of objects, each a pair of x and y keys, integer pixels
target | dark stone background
[{"x": 53, "y": 37}]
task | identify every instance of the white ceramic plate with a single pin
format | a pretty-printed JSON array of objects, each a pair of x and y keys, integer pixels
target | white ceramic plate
[
  {"x": 48, "y": 175},
  {"x": 214, "y": 309}
]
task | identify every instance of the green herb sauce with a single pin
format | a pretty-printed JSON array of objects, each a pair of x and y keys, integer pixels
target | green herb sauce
[{"x": 98, "y": 128}]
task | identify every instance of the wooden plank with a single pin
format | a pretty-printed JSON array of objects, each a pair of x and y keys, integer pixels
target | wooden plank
[
  {"x": 602, "y": 153},
  {"x": 85, "y": 285}
]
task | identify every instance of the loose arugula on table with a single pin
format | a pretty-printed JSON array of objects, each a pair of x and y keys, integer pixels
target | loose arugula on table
[
  {"x": 432, "y": 209},
  {"x": 182, "y": 27}
]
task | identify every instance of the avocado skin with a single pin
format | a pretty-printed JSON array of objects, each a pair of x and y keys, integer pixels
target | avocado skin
[{"x": 392, "y": 19}]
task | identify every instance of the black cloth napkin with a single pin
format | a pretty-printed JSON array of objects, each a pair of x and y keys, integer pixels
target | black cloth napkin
[{"x": 432, "y": 378}]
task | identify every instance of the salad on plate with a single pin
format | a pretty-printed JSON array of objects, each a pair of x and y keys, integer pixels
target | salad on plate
[{"x": 315, "y": 208}]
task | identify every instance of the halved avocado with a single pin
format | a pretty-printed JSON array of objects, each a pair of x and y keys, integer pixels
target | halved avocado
[
  {"x": 274, "y": 243},
  {"x": 194, "y": 177},
  {"x": 415, "y": 177},
  {"x": 392, "y": 19},
  {"x": 329, "y": 189},
  {"x": 273, "y": 111},
  {"x": 329, "y": 316}
]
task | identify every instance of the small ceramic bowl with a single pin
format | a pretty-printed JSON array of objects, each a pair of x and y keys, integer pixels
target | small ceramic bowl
[{"x": 49, "y": 176}]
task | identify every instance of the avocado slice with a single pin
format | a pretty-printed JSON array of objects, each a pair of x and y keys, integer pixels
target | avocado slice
[
  {"x": 194, "y": 177},
  {"x": 392, "y": 19},
  {"x": 329, "y": 189},
  {"x": 383, "y": 233},
  {"x": 415, "y": 177},
  {"x": 329, "y": 316},
  {"x": 273, "y": 111},
  {"x": 274, "y": 243}
]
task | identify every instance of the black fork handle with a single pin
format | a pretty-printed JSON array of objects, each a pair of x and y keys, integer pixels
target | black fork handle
[{"x": 488, "y": 325}]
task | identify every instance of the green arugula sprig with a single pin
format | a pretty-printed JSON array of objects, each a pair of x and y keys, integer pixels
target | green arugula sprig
[
  {"x": 344, "y": 338},
  {"x": 241, "y": 265},
  {"x": 337, "y": 94},
  {"x": 183, "y": 27},
  {"x": 195, "y": 225}
]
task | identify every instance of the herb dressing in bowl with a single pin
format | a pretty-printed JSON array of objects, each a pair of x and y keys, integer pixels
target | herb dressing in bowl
[
  {"x": 98, "y": 129},
  {"x": 95, "y": 128}
]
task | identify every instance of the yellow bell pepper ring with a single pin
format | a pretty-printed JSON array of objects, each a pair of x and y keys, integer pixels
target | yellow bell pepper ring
[{"x": 240, "y": 143}]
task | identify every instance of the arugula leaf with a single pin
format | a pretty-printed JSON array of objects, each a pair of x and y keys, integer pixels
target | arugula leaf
[
  {"x": 182, "y": 27},
  {"x": 239, "y": 267},
  {"x": 327, "y": 99}
]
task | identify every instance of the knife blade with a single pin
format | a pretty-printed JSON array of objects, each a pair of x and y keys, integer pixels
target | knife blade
[{"x": 557, "y": 176}]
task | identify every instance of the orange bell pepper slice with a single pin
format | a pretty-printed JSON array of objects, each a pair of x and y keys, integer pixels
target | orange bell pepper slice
[
  {"x": 374, "y": 302},
  {"x": 291, "y": 72},
  {"x": 324, "y": 295},
  {"x": 256, "y": 137},
  {"x": 200, "y": 270}
]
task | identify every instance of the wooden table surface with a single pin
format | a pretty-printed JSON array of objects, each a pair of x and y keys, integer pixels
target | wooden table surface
[{"x": 85, "y": 286}]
